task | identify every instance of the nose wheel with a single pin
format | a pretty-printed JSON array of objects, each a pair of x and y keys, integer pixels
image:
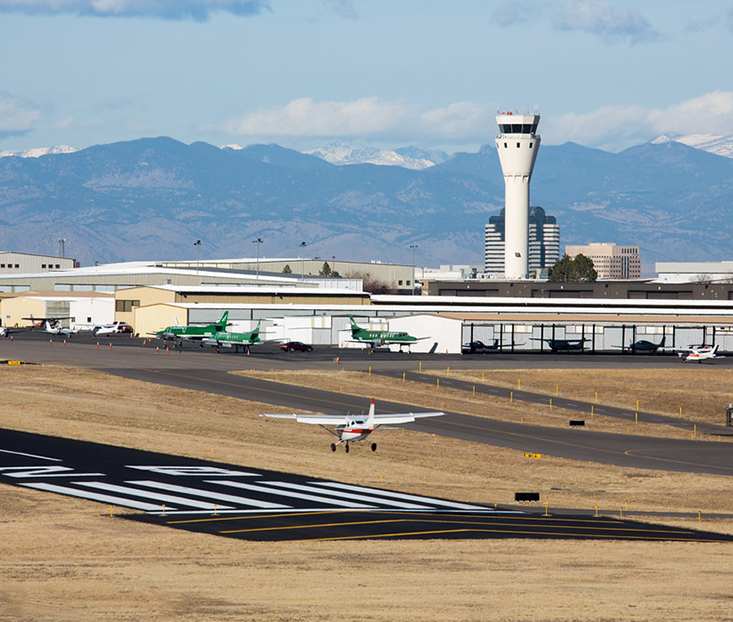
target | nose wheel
[{"x": 374, "y": 447}]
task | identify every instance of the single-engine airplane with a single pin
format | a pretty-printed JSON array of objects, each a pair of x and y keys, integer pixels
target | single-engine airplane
[
  {"x": 192, "y": 333},
  {"x": 700, "y": 353},
  {"x": 352, "y": 428},
  {"x": 564, "y": 345},
  {"x": 647, "y": 346},
  {"x": 233, "y": 340},
  {"x": 377, "y": 338},
  {"x": 52, "y": 325}
]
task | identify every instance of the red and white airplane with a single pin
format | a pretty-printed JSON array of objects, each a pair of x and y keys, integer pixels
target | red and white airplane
[
  {"x": 700, "y": 353},
  {"x": 352, "y": 428}
]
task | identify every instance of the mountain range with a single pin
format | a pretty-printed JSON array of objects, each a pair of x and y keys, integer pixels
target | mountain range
[{"x": 153, "y": 198}]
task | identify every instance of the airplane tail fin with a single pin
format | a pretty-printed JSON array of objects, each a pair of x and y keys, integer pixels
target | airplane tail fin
[
  {"x": 715, "y": 349},
  {"x": 175, "y": 321},
  {"x": 370, "y": 418},
  {"x": 661, "y": 343},
  {"x": 354, "y": 327},
  {"x": 224, "y": 319}
]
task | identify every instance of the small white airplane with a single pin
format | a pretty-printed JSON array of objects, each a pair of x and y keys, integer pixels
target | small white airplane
[
  {"x": 112, "y": 329},
  {"x": 352, "y": 428},
  {"x": 700, "y": 353},
  {"x": 52, "y": 325}
]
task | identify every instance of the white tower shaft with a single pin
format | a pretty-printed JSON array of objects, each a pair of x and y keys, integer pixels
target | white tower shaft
[{"x": 517, "y": 146}]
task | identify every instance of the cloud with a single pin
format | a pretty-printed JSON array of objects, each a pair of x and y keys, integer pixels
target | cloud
[
  {"x": 367, "y": 118},
  {"x": 198, "y": 10},
  {"x": 342, "y": 8},
  {"x": 617, "y": 127},
  {"x": 610, "y": 22},
  {"x": 513, "y": 13},
  {"x": 16, "y": 118}
]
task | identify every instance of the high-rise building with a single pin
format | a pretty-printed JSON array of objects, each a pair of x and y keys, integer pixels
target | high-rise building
[
  {"x": 517, "y": 145},
  {"x": 543, "y": 242},
  {"x": 610, "y": 261}
]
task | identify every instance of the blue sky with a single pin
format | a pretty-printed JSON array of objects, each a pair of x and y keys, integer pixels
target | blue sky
[{"x": 390, "y": 73}]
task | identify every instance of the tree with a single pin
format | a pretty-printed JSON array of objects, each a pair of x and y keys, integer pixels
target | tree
[
  {"x": 578, "y": 269},
  {"x": 286, "y": 269},
  {"x": 325, "y": 270}
]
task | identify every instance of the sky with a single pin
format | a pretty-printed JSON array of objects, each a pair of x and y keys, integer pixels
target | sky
[{"x": 388, "y": 73}]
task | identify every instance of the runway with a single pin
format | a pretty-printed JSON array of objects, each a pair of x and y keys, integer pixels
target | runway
[
  {"x": 255, "y": 504},
  {"x": 202, "y": 370}
]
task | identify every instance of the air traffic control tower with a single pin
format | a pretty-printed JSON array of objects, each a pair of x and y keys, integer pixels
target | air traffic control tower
[{"x": 517, "y": 145}]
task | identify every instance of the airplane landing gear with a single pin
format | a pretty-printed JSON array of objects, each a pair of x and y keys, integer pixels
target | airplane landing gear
[
  {"x": 346, "y": 449},
  {"x": 333, "y": 446},
  {"x": 374, "y": 447}
]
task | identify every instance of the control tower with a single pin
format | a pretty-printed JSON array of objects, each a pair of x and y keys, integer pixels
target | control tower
[{"x": 517, "y": 145}]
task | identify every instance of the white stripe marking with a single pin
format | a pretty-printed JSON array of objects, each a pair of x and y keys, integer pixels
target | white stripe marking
[
  {"x": 147, "y": 494},
  {"x": 92, "y": 496},
  {"x": 296, "y": 495},
  {"x": 209, "y": 494},
  {"x": 349, "y": 495},
  {"x": 400, "y": 495},
  {"x": 20, "y": 453}
]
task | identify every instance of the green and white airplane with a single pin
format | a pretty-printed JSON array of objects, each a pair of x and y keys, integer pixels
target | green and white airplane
[
  {"x": 227, "y": 339},
  {"x": 377, "y": 338},
  {"x": 192, "y": 333}
]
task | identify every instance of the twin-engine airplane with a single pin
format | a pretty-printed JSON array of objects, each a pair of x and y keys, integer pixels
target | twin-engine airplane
[
  {"x": 192, "y": 333},
  {"x": 377, "y": 338},
  {"x": 233, "y": 340},
  {"x": 352, "y": 428},
  {"x": 700, "y": 353}
]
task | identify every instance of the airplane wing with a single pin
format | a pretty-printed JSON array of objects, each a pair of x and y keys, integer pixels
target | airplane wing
[
  {"x": 383, "y": 419},
  {"x": 315, "y": 419},
  {"x": 397, "y": 418}
]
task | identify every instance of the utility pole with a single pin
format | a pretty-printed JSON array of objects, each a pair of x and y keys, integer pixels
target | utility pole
[
  {"x": 197, "y": 244},
  {"x": 302, "y": 260},
  {"x": 413, "y": 247},
  {"x": 62, "y": 247},
  {"x": 258, "y": 241}
]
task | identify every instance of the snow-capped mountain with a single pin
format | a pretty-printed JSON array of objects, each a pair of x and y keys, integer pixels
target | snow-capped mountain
[
  {"x": 40, "y": 151},
  {"x": 342, "y": 152},
  {"x": 719, "y": 145}
]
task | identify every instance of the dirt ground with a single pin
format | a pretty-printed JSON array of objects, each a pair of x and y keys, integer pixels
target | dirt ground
[{"x": 65, "y": 559}]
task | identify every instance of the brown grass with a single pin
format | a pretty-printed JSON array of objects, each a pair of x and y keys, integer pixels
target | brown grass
[
  {"x": 65, "y": 559},
  {"x": 694, "y": 392}
]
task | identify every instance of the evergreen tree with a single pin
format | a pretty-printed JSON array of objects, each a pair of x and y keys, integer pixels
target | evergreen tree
[
  {"x": 325, "y": 270},
  {"x": 579, "y": 269},
  {"x": 286, "y": 269}
]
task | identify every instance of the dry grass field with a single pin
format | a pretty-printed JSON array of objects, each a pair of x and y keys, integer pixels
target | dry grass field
[{"x": 64, "y": 559}]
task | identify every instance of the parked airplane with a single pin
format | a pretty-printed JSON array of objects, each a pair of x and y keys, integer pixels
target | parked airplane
[
  {"x": 112, "y": 329},
  {"x": 192, "y": 333},
  {"x": 377, "y": 338},
  {"x": 6, "y": 332},
  {"x": 700, "y": 353},
  {"x": 647, "y": 346},
  {"x": 52, "y": 325},
  {"x": 564, "y": 345},
  {"x": 480, "y": 346},
  {"x": 352, "y": 428},
  {"x": 233, "y": 340}
]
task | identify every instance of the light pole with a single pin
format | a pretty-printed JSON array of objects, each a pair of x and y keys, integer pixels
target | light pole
[
  {"x": 258, "y": 241},
  {"x": 413, "y": 247},
  {"x": 302, "y": 261},
  {"x": 197, "y": 244},
  {"x": 333, "y": 263}
]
